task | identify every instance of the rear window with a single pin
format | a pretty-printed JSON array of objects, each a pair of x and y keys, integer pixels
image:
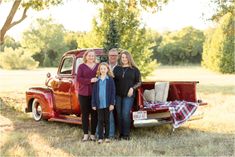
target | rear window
[{"x": 99, "y": 59}]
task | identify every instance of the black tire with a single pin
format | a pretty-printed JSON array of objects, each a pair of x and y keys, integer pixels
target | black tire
[{"x": 36, "y": 110}]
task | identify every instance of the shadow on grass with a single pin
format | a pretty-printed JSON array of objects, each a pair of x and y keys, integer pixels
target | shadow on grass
[
  {"x": 225, "y": 90},
  {"x": 145, "y": 141}
]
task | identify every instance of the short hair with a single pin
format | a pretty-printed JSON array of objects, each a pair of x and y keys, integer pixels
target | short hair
[
  {"x": 86, "y": 53},
  {"x": 114, "y": 50}
]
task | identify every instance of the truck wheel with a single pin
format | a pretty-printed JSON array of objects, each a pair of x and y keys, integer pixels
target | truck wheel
[{"x": 36, "y": 110}]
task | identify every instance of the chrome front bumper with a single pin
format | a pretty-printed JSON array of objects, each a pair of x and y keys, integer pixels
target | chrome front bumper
[{"x": 150, "y": 122}]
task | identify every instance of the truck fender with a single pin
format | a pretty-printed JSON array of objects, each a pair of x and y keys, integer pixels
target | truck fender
[{"x": 44, "y": 97}]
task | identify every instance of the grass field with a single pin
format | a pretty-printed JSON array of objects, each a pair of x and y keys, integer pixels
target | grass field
[{"x": 214, "y": 135}]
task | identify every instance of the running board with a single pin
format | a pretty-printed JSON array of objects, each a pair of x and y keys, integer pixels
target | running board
[{"x": 67, "y": 119}]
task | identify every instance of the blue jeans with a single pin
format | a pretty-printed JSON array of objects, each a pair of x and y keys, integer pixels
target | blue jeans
[
  {"x": 111, "y": 126},
  {"x": 123, "y": 108}
]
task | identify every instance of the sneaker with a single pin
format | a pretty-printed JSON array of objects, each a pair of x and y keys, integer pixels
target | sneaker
[
  {"x": 85, "y": 138},
  {"x": 92, "y": 137},
  {"x": 120, "y": 137},
  {"x": 107, "y": 140},
  {"x": 100, "y": 141}
]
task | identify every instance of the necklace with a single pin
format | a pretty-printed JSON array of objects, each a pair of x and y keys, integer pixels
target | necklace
[{"x": 123, "y": 72}]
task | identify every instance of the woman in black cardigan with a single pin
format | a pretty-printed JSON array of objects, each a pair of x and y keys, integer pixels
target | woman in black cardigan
[{"x": 127, "y": 79}]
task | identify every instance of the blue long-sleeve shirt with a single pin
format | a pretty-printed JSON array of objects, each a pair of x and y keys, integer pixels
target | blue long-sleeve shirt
[{"x": 102, "y": 93}]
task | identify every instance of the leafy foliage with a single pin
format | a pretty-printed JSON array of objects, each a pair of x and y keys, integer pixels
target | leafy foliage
[
  {"x": 132, "y": 35},
  {"x": 9, "y": 42},
  {"x": 17, "y": 59},
  {"x": 71, "y": 40},
  {"x": 218, "y": 54},
  {"x": 89, "y": 40},
  {"x": 181, "y": 47},
  {"x": 223, "y": 7},
  {"x": 40, "y": 5},
  {"x": 112, "y": 39},
  {"x": 25, "y": 5},
  {"x": 148, "y": 5},
  {"x": 45, "y": 41}
]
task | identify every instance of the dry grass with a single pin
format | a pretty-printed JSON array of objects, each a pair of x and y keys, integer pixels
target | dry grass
[{"x": 214, "y": 135}]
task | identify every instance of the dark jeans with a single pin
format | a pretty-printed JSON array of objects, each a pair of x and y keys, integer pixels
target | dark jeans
[
  {"x": 123, "y": 108},
  {"x": 111, "y": 125},
  {"x": 103, "y": 120},
  {"x": 85, "y": 104}
]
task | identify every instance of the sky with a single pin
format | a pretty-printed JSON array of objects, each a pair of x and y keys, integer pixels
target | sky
[{"x": 76, "y": 15}]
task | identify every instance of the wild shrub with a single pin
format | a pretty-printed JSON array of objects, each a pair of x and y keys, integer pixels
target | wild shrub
[{"x": 17, "y": 59}]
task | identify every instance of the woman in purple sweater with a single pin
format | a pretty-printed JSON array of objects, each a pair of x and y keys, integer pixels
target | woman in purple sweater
[{"x": 86, "y": 76}]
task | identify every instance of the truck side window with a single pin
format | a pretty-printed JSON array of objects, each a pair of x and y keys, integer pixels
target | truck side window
[{"x": 67, "y": 66}]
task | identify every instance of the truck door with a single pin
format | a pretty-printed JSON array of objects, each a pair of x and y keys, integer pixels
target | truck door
[{"x": 63, "y": 88}]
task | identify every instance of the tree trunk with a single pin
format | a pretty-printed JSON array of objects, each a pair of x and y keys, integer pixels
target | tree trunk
[{"x": 8, "y": 23}]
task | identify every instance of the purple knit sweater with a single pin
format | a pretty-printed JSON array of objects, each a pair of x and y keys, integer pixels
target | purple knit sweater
[{"x": 84, "y": 76}]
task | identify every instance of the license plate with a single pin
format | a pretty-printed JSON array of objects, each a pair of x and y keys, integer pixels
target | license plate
[{"x": 139, "y": 115}]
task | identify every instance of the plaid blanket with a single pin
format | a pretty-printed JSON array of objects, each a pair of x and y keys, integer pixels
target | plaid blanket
[{"x": 180, "y": 111}]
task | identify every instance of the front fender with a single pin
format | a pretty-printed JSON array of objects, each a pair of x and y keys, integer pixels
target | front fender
[{"x": 45, "y": 98}]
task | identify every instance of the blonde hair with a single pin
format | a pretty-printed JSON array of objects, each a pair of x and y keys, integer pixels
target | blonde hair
[
  {"x": 109, "y": 73},
  {"x": 86, "y": 53},
  {"x": 129, "y": 57}
]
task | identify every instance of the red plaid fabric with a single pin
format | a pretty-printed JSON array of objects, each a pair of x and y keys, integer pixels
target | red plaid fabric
[{"x": 180, "y": 111}]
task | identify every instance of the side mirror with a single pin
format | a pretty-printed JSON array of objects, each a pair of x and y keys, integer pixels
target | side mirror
[
  {"x": 48, "y": 79},
  {"x": 48, "y": 75}
]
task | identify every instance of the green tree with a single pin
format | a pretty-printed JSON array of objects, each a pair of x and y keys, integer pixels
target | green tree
[
  {"x": 181, "y": 47},
  {"x": 25, "y": 5},
  {"x": 112, "y": 39},
  {"x": 147, "y": 5},
  {"x": 71, "y": 40},
  {"x": 9, "y": 42},
  {"x": 219, "y": 48},
  {"x": 155, "y": 38},
  {"x": 222, "y": 7},
  {"x": 45, "y": 39},
  {"x": 206, "y": 54},
  {"x": 88, "y": 40},
  {"x": 132, "y": 35}
]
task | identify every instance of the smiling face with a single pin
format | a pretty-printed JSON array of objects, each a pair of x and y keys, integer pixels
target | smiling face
[
  {"x": 124, "y": 59},
  {"x": 113, "y": 57},
  {"x": 90, "y": 58},
  {"x": 103, "y": 70}
]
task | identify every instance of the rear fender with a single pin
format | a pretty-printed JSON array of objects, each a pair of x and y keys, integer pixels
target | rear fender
[{"x": 45, "y": 98}]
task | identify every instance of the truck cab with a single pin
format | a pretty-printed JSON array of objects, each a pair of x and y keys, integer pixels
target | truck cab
[{"x": 59, "y": 99}]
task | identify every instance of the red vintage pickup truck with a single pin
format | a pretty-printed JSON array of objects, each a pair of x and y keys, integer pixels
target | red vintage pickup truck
[{"x": 58, "y": 101}]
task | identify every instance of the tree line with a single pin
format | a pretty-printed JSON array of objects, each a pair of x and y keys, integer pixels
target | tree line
[{"x": 118, "y": 25}]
